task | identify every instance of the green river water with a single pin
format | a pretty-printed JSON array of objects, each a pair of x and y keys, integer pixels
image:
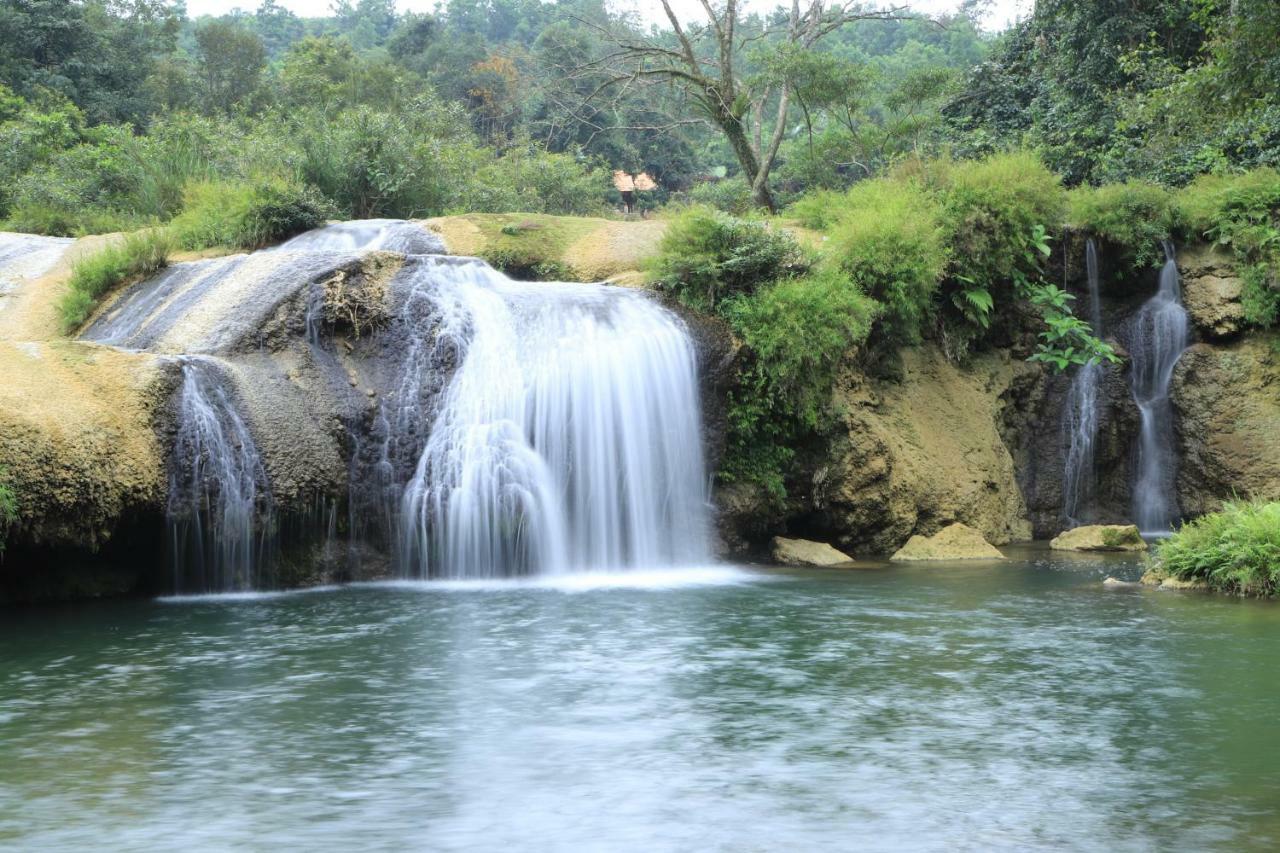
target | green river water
[{"x": 949, "y": 707}]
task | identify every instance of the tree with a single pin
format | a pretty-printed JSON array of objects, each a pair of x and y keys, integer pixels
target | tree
[
  {"x": 704, "y": 61},
  {"x": 231, "y": 60}
]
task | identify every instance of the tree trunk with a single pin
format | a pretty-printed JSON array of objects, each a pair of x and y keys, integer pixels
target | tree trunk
[{"x": 746, "y": 154}]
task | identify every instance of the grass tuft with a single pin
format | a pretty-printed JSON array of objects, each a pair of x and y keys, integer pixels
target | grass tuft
[{"x": 139, "y": 255}]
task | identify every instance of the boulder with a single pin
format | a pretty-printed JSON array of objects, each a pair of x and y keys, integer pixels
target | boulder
[
  {"x": 1100, "y": 537},
  {"x": 954, "y": 542},
  {"x": 1228, "y": 406},
  {"x": 1158, "y": 577},
  {"x": 1116, "y": 583},
  {"x": 1211, "y": 292},
  {"x": 803, "y": 552}
]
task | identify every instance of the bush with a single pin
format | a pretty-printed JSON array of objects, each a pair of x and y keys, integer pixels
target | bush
[
  {"x": 55, "y": 221},
  {"x": 818, "y": 210},
  {"x": 1135, "y": 215},
  {"x": 1241, "y": 213},
  {"x": 888, "y": 238},
  {"x": 707, "y": 255},
  {"x": 798, "y": 331},
  {"x": 1236, "y": 550},
  {"x": 730, "y": 195},
  {"x": 137, "y": 256},
  {"x": 247, "y": 216}
]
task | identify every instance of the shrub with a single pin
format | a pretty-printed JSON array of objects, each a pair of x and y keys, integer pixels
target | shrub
[
  {"x": 707, "y": 255},
  {"x": 1241, "y": 213},
  {"x": 889, "y": 240},
  {"x": 1135, "y": 215},
  {"x": 730, "y": 195},
  {"x": 818, "y": 210},
  {"x": 246, "y": 215},
  {"x": 798, "y": 331},
  {"x": 1236, "y": 550},
  {"x": 137, "y": 256},
  {"x": 35, "y": 217}
]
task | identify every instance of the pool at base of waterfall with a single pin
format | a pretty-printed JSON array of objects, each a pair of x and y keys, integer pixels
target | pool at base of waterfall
[{"x": 941, "y": 707}]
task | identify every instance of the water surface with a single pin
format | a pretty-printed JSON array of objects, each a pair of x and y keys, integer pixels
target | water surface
[{"x": 976, "y": 707}]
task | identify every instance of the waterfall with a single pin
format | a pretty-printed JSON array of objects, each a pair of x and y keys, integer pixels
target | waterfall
[
  {"x": 1158, "y": 337},
  {"x": 1080, "y": 414},
  {"x": 566, "y": 439},
  {"x": 485, "y": 428},
  {"x": 219, "y": 505}
]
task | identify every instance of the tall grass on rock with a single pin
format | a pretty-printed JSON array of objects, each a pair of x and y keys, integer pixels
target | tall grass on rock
[
  {"x": 707, "y": 255},
  {"x": 888, "y": 239},
  {"x": 247, "y": 215},
  {"x": 1135, "y": 216},
  {"x": 1236, "y": 550},
  {"x": 136, "y": 257}
]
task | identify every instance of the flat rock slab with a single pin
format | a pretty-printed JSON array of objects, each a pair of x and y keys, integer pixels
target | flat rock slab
[
  {"x": 1100, "y": 537},
  {"x": 803, "y": 552},
  {"x": 954, "y": 542}
]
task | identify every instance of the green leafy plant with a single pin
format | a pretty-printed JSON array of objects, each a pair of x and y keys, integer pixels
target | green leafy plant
[
  {"x": 1135, "y": 216},
  {"x": 246, "y": 215},
  {"x": 797, "y": 332},
  {"x": 707, "y": 255},
  {"x": 1235, "y": 550}
]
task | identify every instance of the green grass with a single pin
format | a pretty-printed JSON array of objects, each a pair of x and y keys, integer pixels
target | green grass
[
  {"x": 94, "y": 276},
  {"x": 246, "y": 215},
  {"x": 1135, "y": 216},
  {"x": 55, "y": 221},
  {"x": 530, "y": 246},
  {"x": 1236, "y": 550}
]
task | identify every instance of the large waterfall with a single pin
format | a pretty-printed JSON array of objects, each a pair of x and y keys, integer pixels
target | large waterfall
[
  {"x": 1080, "y": 414},
  {"x": 1158, "y": 336},
  {"x": 482, "y": 427},
  {"x": 567, "y": 438}
]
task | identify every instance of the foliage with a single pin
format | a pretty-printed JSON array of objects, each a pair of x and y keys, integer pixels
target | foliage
[
  {"x": 134, "y": 258},
  {"x": 731, "y": 195},
  {"x": 1241, "y": 213},
  {"x": 797, "y": 331},
  {"x": 246, "y": 215},
  {"x": 8, "y": 508},
  {"x": 1235, "y": 550},
  {"x": 888, "y": 238},
  {"x": 1135, "y": 216},
  {"x": 707, "y": 255}
]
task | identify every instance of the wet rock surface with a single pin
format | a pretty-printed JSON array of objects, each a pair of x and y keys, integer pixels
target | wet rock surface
[
  {"x": 1100, "y": 537},
  {"x": 953, "y": 542}
]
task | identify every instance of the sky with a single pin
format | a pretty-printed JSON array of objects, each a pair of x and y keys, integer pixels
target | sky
[{"x": 1001, "y": 14}]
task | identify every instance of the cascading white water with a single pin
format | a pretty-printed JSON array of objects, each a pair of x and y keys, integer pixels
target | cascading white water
[
  {"x": 1080, "y": 412},
  {"x": 219, "y": 500},
  {"x": 1158, "y": 337},
  {"x": 567, "y": 438}
]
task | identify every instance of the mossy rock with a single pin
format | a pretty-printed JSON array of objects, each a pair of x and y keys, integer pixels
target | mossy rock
[
  {"x": 1100, "y": 537},
  {"x": 953, "y": 542}
]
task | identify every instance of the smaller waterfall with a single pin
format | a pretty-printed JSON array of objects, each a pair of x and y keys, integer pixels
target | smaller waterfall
[
  {"x": 1157, "y": 339},
  {"x": 1080, "y": 414},
  {"x": 219, "y": 499}
]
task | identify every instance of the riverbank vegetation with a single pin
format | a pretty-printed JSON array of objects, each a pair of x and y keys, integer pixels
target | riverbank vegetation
[
  {"x": 130, "y": 259},
  {"x": 8, "y": 508},
  {"x": 1235, "y": 550}
]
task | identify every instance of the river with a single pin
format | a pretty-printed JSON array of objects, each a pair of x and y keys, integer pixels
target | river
[{"x": 944, "y": 707}]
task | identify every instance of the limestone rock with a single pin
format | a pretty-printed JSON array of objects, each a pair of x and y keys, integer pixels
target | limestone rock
[
  {"x": 1211, "y": 293},
  {"x": 918, "y": 448},
  {"x": 954, "y": 542},
  {"x": 1116, "y": 583},
  {"x": 1228, "y": 403},
  {"x": 804, "y": 552},
  {"x": 1100, "y": 537},
  {"x": 1184, "y": 584}
]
